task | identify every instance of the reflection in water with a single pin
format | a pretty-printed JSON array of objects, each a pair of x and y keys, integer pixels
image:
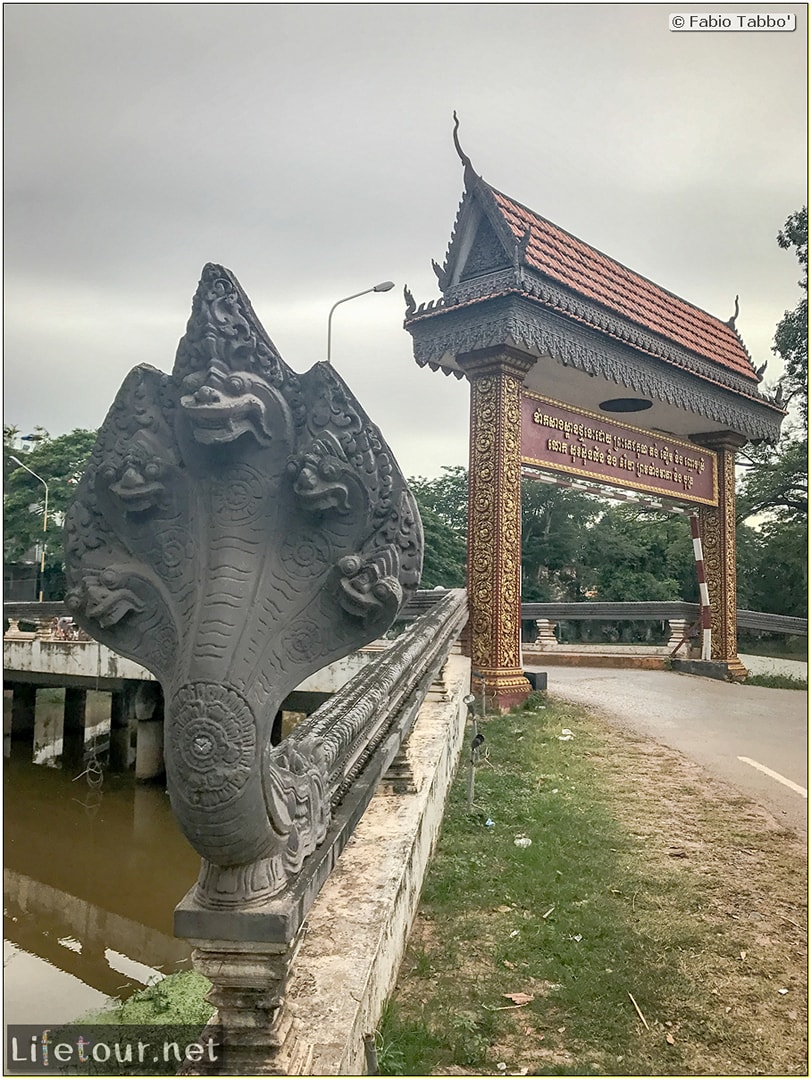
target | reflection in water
[{"x": 91, "y": 877}]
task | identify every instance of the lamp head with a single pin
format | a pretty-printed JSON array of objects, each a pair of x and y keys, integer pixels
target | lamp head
[{"x": 383, "y": 286}]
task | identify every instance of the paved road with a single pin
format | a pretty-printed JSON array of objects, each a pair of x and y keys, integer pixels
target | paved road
[{"x": 715, "y": 723}]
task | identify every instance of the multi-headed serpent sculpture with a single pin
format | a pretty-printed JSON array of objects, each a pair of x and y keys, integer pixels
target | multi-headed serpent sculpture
[{"x": 239, "y": 526}]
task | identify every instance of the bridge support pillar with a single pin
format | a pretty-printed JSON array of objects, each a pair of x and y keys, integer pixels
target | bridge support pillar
[
  {"x": 73, "y": 726},
  {"x": 122, "y": 716},
  {"x": 718, "y": 531},
  {"x": 23, "y": 712},
  {"x": 149, "y": 746},
  {"x": 495, "y": 523},
  {"x": 48, "y": 724}
]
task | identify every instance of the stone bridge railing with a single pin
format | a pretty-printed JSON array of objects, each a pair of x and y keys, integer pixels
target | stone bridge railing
[
  {"x": 247, "y": 951},
  {"x": 680, "y": 616}
]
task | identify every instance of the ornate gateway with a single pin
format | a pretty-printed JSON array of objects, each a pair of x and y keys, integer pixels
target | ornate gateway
[
  {"x": 531, "y": 314},
  {"x": 239, "y": 527}
]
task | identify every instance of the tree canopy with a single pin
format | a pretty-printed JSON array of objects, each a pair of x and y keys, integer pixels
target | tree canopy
[
  {"x": 59, "y": 462},
  {"x": 773, "y": 495},
  {"x": 791, "y": 340},
  {"x": 443, "y": 504}
]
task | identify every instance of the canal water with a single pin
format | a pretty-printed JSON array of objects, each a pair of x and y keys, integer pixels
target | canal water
[{"x": 93, "y": 866}]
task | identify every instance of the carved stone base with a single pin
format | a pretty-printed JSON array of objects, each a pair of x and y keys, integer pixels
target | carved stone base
[
  {"x": 259, "y": 1030},
  {"x": 726, "y": 670},
  {"x": 438, "y": 691},
  {"x": 679, "y": 637},
  {"x": 399, "y": 777},
  {"x": 14, "y": 633},
  {"x": 736, "y": 669},
  {"x": 504, "y": 687},
  {"x": 545, "y": 635}
]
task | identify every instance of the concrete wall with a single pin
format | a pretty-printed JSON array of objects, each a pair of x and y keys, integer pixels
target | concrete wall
[
  {"x": 358, "y": 927},
  {"x": 57, "y": 663}
]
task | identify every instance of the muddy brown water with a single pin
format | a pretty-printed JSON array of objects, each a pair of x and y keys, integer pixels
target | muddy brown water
[{"x": 91, "y": 876}]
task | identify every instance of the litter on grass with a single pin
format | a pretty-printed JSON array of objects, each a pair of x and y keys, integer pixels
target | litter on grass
[
  {"x": 522, "y": 841},
  {"x": 519, "y": 998}
]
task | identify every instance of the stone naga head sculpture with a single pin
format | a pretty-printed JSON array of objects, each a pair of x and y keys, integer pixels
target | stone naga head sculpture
[{"x": 239, "y": 526}]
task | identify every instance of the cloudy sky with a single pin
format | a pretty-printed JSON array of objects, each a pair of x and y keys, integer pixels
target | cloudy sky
[{"x": 308, "y": 148}]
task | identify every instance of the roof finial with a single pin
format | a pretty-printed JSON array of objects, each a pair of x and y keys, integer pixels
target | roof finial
[
  {"x": 731, "y": 322},
  {"x": 470, "y": 175}
]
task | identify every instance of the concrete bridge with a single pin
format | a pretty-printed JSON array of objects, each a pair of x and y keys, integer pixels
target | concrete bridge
[
  {"x": 40, "y": 659},
  {"x": 37, "y": 660}
]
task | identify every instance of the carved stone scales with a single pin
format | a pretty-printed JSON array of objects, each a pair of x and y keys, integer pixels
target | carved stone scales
[{"x": 240, "y": 526}]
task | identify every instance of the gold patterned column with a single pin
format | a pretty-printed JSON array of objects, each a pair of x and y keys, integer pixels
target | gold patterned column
[
  {"x": 494, "y": 522},
  {"x": 718, "y": 529}
]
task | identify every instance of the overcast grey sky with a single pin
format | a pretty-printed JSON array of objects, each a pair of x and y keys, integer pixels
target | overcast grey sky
[{"x": 308, "y": 148}]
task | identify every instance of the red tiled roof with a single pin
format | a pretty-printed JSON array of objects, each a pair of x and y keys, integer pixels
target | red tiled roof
[{"x": 582, "y": 268}]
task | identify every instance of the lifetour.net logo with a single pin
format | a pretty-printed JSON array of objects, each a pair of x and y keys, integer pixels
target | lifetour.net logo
[{"x": 110, "y": 1050}]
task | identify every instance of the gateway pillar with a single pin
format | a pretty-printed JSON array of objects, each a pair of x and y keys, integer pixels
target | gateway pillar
[
  {"x": 494, "y": 522},
  {"x": 718, "y": 529}
]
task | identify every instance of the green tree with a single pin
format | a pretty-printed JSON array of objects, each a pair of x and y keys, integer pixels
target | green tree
[
  {"x": 60, "y": 463},
  {"x": 553, "y": 524},
  {"x": 776, "y": 481},
  {"x": 773, "y": 491},
  {"x": 791, "y": 340},
  {"x": 446, "y": 496},
  {"x": 444, "y": 554},
  {"x": 640, "y": 555},
  {"x": 443, "y": 504},
  {"x": 773, "y": 567}
]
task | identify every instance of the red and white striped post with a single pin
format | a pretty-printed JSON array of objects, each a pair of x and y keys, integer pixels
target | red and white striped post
[{"x": 704, "y": 597}]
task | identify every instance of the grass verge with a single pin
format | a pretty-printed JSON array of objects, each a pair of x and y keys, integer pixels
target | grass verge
[
  {"x": 776, "y": 682},
  {"x": 644, "y": 878}
]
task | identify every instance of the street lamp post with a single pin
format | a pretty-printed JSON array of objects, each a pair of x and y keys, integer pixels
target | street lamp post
[
  {"x": 44, "y": 522},
  {"x": 383, "y": 286}
]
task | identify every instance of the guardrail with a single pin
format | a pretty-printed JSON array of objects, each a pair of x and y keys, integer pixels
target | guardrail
[
  {"x": 424, "y": 600},
  {"x": 668, "y": 611}
]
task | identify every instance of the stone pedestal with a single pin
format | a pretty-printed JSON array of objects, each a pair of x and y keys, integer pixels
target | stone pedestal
[
  {"x": 494, "y": 522},
  {"x": 545, "y": 636},
  {"x": 678, "y": 637},
  {"x": 260, "y": 1031},
  {"x": 718, "y": 530},
  {"x": 14, "y": 633}
]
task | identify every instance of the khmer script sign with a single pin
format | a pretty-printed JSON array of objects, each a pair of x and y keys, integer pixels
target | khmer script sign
[{"x": 570, "y": 440}]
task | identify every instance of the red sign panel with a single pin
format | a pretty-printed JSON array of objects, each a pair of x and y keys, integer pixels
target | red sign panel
[{"x": 569, "y": 440}]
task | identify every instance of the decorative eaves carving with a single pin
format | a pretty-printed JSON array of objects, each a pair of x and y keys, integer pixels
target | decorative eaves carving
[
  {"x": 559, "y": 299},
  {"x": 514, "y": 319}
]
